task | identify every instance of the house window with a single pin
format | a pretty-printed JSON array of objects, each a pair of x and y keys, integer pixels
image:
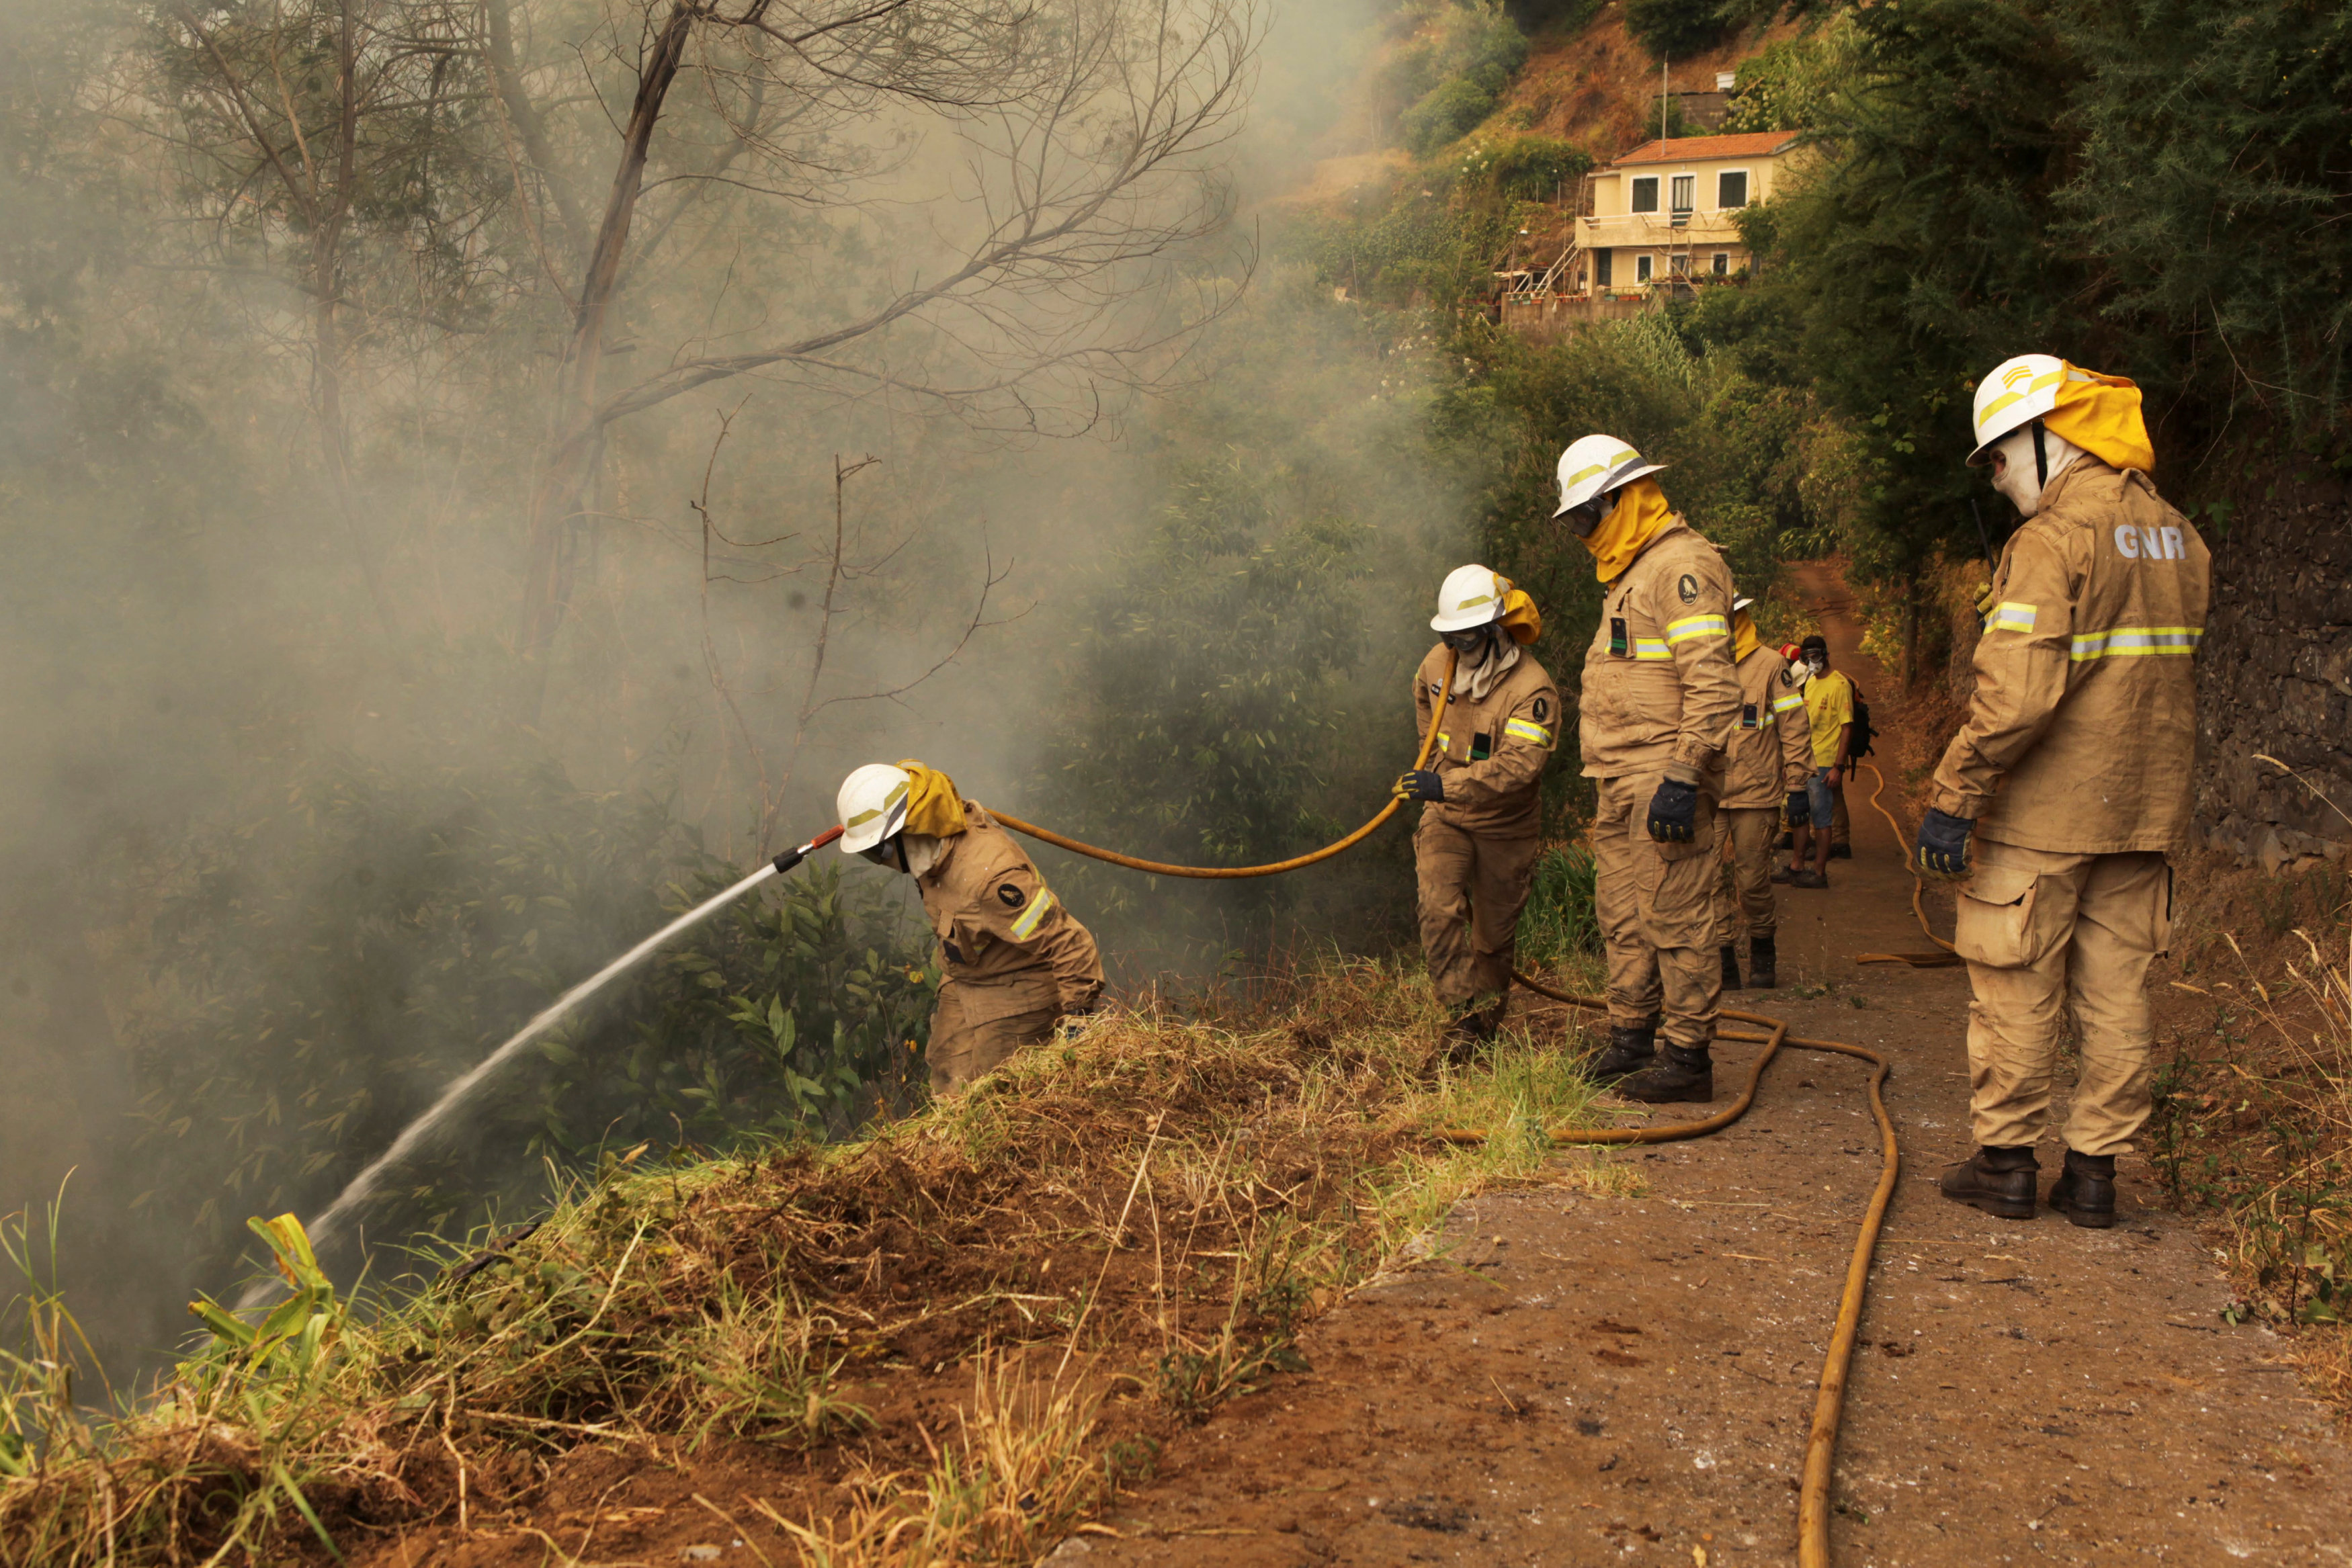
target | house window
[
  {"x": 1731, "y": 189},
  {"x": 1600, "y": 267},
  {"x": 1678, "y": 265},
  {"x": 1640, "y": 269},
  {"x": 1723, "y": 264},
  {"x": 1685, "y": 192},
  {"x": 1645, "y": 193}
]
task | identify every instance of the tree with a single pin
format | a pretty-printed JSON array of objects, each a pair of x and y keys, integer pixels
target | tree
[{"x": 1083, "y": 129}]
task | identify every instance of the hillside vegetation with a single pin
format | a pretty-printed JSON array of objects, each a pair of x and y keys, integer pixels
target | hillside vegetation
[{"x": 947, "y": 1340}]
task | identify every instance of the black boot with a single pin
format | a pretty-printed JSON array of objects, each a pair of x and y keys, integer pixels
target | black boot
[
  {"x": 1471, "y": 1031},
  {"x": 1763, "y": 964},
  {"x": 1632, "y": 1048},
  {"x": 2084, "y": 1191},
  {"x": 1730, "y": 968},
  {"x": 1682, "y": 1073},
  {"x": 1999, "y": 1181}
]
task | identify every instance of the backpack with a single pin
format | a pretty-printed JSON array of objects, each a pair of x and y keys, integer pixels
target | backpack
[{"x": 1858, "y": 743}]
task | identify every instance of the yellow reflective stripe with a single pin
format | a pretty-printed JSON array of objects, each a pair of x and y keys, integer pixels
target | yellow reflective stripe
[
  {"x": 1581, "y": 475},
  {"x": 1692, "y": 626},
  {"x": 1783, "y": 705},
  {"x": 1650, "y": 648},
  {"x": 1444, "y": 741},
  {"x": 1026, "y": 927},
  {"x": 2127, "y": 641},
  {"x": 2012, "y": 618},
  {"x": 1527, "y": 730}
]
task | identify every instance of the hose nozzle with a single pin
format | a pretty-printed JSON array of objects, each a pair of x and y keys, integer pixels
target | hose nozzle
[{"x": 792, "y": 858}]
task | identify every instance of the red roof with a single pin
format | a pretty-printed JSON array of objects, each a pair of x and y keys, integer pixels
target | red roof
[{"x": 1691, "y": 149}]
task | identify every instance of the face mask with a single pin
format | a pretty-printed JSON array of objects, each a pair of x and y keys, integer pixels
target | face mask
[
  {"x": 1582, "y": 518},
  {"x": 1818, "y": 663},
  {"x": 890, "y": 854},
  {"x": 2014, "y": 474}
]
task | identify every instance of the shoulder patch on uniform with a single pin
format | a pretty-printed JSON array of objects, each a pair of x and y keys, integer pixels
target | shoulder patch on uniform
[
  {"x": 1011, "y": 895},
  {"x": 1688, "y": 589},
  {"x": 1543, "y": 709}
]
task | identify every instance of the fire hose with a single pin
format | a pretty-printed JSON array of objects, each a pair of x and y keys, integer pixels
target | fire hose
[{"x": 1829, "y": 1404}]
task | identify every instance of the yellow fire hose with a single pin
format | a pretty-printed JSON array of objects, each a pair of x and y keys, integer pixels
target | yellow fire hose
[
  {"x": 1829, "y": 1405},
  {"x": 1161, "y": 868}
]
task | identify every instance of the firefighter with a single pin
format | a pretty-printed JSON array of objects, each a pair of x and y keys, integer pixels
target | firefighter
[
  {"x": 2059, "y": 800},
  {"x": 1474, "y": 850},
  {"x": 1660, "y": 699},
  {"x": 1766, "y": 769},
  {"x": 1017, "y": 962}
]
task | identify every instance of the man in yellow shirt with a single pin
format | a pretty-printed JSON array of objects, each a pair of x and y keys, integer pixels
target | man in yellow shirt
[{"x": 1829, "y": 711}]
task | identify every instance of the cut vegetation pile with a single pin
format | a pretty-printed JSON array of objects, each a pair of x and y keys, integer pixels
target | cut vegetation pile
[{"x": 947, "y": 1342}]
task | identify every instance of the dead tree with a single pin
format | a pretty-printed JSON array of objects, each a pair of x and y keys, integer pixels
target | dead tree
[{"x": 1087, "y": 132}]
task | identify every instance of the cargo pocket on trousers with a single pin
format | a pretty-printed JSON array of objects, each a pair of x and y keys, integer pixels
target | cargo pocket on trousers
[{"x": 1995, "y": 924}]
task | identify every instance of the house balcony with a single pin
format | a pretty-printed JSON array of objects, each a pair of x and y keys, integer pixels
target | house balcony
[{"x": 1658, "y": 230}]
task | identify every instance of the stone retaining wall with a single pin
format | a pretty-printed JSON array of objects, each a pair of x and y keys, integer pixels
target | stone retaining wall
[{"x": 2275, "y": 673}]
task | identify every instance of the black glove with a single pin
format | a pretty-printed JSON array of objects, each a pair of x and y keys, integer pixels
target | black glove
[
  {"x": 1943, "y": 850},
  {"x": 1674, "y": 812},
  {"x": 1420, "y": 784},
  {"x": 790, "y": 858},
  {"x": 1799, "y": 807}
]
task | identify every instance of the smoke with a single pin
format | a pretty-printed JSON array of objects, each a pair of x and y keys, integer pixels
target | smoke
[{"x": 341, "y": 732}]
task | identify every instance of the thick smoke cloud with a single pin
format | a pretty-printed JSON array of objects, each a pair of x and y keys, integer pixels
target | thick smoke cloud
[{"x": 264, "y": 675}]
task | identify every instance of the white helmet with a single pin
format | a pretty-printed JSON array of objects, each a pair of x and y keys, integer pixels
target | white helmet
[
  {"x": 873, "y": 806},
  {"x": 2018, "y": 392},
  {"x": 1596, "y": 466},
  {"x": 1471, "y": 596},
  {"x": 1740, "y": 603}
]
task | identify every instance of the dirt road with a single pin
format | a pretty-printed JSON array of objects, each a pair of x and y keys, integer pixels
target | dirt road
[{"x": 1571, "y": 1379}]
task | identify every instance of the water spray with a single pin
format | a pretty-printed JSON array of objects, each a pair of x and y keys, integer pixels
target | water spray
[{"x": 364, "y": 1184}]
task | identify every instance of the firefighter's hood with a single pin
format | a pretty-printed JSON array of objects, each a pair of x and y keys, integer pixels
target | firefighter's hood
[{"x": 1640, "y": 515}]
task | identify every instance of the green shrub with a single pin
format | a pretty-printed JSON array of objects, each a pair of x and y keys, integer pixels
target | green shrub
[
  {"x": 1446, "y": 114},
  {"x": 1559, "y": 918},
  {"x": 318, "y": 971},
  {"x": 1676, "y": 29},
  {"x": 1525, "y": 168},
  {"x": 1454, "y": 77}
]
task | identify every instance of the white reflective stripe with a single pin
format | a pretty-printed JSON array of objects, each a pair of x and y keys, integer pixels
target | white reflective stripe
[
  {"x": 1783, "y": 705},
  {"x": 2012, "y": 618},
  {"x": 2125, "y": 642},
  {"x": 1650, "y": 648},
  {"x": 1444, "y": 741},
  {"x": 1527, "y": 730},
  {"x": 1026, "y": 927},
  {"x": 1692, "y": 626}
]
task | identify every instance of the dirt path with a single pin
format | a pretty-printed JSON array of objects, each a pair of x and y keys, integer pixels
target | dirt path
[{"x": 1569, "y": 1379}]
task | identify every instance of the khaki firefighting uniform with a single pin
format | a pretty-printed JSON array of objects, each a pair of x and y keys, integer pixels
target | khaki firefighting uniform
[
  {"x": 1016, "y": 960},
  {"x": 1771, "y": 753},
  {"x": 2075, "y": 763},
  {"x": 1660, "y": 700},
  {"x": 1474, "y": 852}
]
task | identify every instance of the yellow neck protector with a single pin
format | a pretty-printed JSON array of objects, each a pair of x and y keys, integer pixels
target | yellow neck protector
[{"x": 1640, "y": 515}]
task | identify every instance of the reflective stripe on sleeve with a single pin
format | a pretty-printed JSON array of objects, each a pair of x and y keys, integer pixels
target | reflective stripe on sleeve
[
  {"x": 2011, "y": 618},
  {"x": 1692, "y": 626},
  {"x": 1786, "y": 704},
  {"x": 1525, "y": 731},
  {"x": 1652, "y": 648},
  {"x": 1026, "y": 927},
  {"x": 2125, "y": 641}
]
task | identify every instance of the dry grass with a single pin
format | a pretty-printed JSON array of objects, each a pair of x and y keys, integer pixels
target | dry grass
[
  {"x": 2254, "y": 1121},
  {"x": 1145, "y": 1214}
]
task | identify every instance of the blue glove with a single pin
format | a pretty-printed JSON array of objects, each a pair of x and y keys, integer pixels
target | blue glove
[
  {"x": 1799, "y": 808},
  {"x": 1674, "y": 812},
  {"x": 1420, "y": 784},
  {"x": 1943, "y": 851}
]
